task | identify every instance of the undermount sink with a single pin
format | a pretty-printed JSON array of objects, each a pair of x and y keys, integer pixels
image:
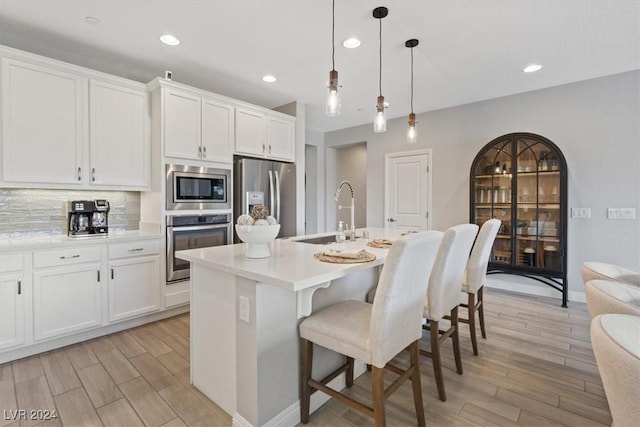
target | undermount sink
[{"x": 322, "y": 240}]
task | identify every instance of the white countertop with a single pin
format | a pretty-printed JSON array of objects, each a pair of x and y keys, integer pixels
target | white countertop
[
  {"x": 31, "y": 242},
  {"x": 291, "y": 265}
]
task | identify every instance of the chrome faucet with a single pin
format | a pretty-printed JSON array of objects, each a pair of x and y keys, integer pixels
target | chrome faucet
[{"x": 353, "y": 206}]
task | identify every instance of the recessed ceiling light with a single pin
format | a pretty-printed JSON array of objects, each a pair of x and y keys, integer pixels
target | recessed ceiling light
[
  {"x": 351, "y": 43},
  {"x": 532, "y": 68},
  {"x": 91, "y": 20},
  {"x": 269, "y": 78},
  {"x": 169, "y": 39}
]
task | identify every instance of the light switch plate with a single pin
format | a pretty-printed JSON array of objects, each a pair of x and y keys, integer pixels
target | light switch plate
[
  {"x": 244, "y": 309},
  {"x": 621, "y": 213},
  {"x": 580, "y": 212}
]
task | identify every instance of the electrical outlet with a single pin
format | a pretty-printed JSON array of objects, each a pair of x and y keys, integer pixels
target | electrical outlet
[
  {"x": 580, "y": 212},
  {"x": 621, "y": 213},
  {"x": 244, "y": 309}
]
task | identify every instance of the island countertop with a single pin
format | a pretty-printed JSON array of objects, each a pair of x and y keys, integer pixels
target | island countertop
[{"x": 291, "y": 265}]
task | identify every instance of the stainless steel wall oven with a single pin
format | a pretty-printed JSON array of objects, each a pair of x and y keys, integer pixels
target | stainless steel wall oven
[{"x": 193, "y": 232}]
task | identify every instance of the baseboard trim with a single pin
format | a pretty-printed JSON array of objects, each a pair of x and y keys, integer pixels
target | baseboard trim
[
  {"x": 40, "y": 347},
  {"x": 541, "y": 291},
  {"x": 290, "y": 416}
]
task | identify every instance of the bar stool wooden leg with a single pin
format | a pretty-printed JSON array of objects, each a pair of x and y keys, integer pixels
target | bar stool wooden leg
[
  {"x": 377, "y": 387},
  {"x": 471, "y": 304},
  {"x": 306, "y": 348},
  {"x": 455, "y": 337},
  {"x": 481, "y": 313},
  {"x": 415, "y": 382},
  {"x": 435, "y": 358},
  {"x": 349, "y": 373}
]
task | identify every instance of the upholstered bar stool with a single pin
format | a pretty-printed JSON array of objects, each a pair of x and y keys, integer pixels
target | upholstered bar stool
[
  {"x": 443, "y": 295},
  {"x": 475, "y": 276},
  {"x": 375, "y": 333},
  {"x": 608, "y": 296},
  {"x": 591, "y": 270},
  {"x": 616, "y": 344}
]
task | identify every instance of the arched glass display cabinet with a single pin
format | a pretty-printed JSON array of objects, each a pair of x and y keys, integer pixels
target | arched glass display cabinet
[{"x": 521, "y": 179}]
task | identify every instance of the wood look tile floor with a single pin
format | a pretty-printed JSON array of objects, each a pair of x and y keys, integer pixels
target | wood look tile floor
[{"x": 536, "y": 368}]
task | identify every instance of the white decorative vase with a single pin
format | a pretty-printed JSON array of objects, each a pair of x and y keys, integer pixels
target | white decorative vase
[{"x": 258, "y": 238}]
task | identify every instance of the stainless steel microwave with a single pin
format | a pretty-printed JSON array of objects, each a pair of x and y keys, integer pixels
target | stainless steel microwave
[{"x": 194, "y": 187}]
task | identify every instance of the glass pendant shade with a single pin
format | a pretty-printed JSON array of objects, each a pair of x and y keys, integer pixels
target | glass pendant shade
[
  {"x": 333, "y": 96},
  {"x": 412, "y": 132},
  {"x": 380, "y": 122}
]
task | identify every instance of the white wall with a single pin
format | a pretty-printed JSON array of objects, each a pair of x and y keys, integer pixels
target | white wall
[{"x": 596, "y": 124}]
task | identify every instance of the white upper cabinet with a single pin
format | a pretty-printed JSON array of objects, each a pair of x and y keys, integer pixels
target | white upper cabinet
[
  {"x": 43, "y": 125},
  {"x": 280, "y": 138},
  {"x": 251, "y": 132},
  {"x": 265, "y": 134},
  {"x": 69, "y": 127},
  {"x": 181, "y": 125},
  {"x": 119, "y": 142},
  {"x": 196, "y": 127},
  {"x": 217, "y": 131}
]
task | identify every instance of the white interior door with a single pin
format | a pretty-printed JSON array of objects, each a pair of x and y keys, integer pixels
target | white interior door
[{"x": 408, "y": 190}]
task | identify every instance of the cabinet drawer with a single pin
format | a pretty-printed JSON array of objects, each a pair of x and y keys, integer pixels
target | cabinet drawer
[
  {"x": 143, "y": 247},
  {"x": 11, "y": 262},
  {"x": 66, "y": 256}
]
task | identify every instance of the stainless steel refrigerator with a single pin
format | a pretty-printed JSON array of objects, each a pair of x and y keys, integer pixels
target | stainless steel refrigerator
[{"x": 266, "y": 182}]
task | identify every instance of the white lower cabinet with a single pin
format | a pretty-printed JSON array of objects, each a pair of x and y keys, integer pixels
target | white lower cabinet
[
  {"x": 134, "y": 279},
  {"x": 12, "y": 305},
  {"x": 66, "y": 299}
]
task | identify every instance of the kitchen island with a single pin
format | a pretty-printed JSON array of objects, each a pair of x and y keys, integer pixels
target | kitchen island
[{"x": 244, "y": 322}]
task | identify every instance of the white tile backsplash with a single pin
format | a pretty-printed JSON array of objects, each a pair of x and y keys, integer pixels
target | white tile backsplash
[{"x": 38, "y": 211}]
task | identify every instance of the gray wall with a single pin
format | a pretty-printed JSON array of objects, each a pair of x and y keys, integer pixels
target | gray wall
[
  {"x": 298, "y": 110},
  {"x": 596, "y": 123},
  {"x": 315, "y": 176},
  {"x": 351, "y": 165}
]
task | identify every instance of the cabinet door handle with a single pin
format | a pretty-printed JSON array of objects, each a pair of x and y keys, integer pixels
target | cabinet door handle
[
  {"x": 391, "y": 220},
  {"x": 264, "y": 148},
  {"x": 112, "y": 274},
  {"x": 93, "y": 174},
  {"x": 199, "y": 151},
  {"x": 69, "y": 257},
  {"x": 136, "y": 249},
  {"x": 269, "y": 148},
  {"x": 79, "y": 173},
  {"x": 98, "y": 271},
  {"x": 19, "y": 287},
  {"x": 204, "y": 151}
]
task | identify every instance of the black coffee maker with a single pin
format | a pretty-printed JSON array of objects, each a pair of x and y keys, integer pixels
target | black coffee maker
[{"x": 88, "y": 218}]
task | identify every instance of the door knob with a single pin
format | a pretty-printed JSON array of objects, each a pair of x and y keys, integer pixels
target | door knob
[{"x": 391, "y": 220}]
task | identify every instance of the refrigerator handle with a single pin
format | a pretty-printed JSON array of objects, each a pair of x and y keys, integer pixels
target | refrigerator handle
[
  {"x": 277, "y": 215},
  {"x": 271, "y": 193}
]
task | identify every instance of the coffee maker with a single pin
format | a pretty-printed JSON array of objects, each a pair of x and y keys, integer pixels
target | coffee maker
[{"x": 88, "y": 218}]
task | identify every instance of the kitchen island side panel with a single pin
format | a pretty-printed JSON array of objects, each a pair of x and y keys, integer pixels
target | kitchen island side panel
[{"x": 213, "y": 335}]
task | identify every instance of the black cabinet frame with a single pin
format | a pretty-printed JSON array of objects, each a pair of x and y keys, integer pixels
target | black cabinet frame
[{"x": 521, "y": 178}]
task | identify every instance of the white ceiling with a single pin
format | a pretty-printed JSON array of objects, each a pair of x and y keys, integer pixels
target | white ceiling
[{"x": 468, "y": 51}]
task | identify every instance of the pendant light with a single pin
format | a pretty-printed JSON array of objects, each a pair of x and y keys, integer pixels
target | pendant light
[
  {"x": 333, "y": 96},
  {"x": 412, "y": 133},
  {"x": 380, "y": 122}
]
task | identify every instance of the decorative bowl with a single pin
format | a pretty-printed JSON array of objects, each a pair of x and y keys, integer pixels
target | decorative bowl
[{"x": 257, "y": 238}]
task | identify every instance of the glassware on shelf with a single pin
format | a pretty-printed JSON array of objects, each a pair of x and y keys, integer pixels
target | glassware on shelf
[{"x": 554, "y": 194}]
